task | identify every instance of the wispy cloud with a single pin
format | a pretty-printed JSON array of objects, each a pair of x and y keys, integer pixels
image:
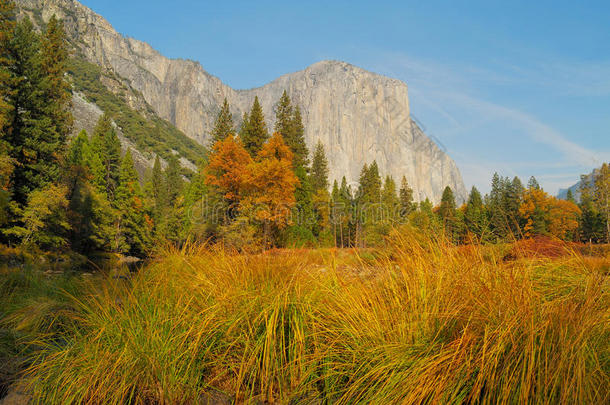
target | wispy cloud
[{"x": 458, "y": 97}]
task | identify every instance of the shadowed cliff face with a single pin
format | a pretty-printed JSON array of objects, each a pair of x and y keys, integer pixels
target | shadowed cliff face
[{"x": 359, "y": 116}]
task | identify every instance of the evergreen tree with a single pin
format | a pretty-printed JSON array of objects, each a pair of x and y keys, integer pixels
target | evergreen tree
[
  {"x": 495, "y": 207},
  {"x": 449, "y": 215},
  {"x": 405, "y": 198},
  {"x": 344, "y": 214},
  {"x": 132, "y": 230},
  {"x": 223, "y": 126},
  {"x": 78, "y": 150},
  {"x": 370, "y": 184},
  {"x": 90, "y": 215},
  {"x": 369, "y": 205},
  {"x": 513, "y": 197},
  {"x": 533, "y": 184},
  {"x": 296, "y": 140},
  {"x": 447, "y": 208},
  {"x": 390, "y": 200},
  {"x": 173, "y": 179},
  {"x": 288, "y": 124},
  {"x": 283, "y": 117},
  {"x": 171, "y": 222},
  {"x": 243, "y": 127},
  {"x": 602, "y": 195},
  {"x": 475, "y": 215},
  {"x": 35, "y": 164},
  {"x": 54, "y": 55},
  {"x": 159, "y": 191},
  {"x": 319, "y": 169},
  {"x": 570, "y": 196},
  {"x": 7, "y": 62},
  {"x": 254, "y": 134},
  {"x": 106, "y": 147}
]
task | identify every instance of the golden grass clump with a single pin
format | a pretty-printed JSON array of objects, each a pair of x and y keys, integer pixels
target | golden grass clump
[{"x": 425, "y": 322}]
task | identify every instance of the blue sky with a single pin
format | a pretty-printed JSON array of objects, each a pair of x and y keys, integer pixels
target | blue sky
[{"x": 522, "y": 88}]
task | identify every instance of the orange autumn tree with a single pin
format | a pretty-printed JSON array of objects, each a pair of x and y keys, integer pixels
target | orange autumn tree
[
  {"x": 227, "y": 168},
  {"x": 533, "y": 210},
  {"x": 271, "y": 184},
  {"x": 563, "y": 218},
  {"x": 547, "y": 215}
]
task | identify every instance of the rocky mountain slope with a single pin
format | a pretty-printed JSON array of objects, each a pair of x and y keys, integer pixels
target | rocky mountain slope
[{"x": 359, "y": 116}]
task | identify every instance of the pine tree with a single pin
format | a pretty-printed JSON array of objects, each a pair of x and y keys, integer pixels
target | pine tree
[
  {"x": 90, "y": 214},
  {"x": 496, "y": 208},
  {"x": 602, "y": 195},
  {"x": 513, "y": 197},
  {"x": 132, "y": 233},
  {"x": 283, "y": 117},
  {"x": 255, "y": 132},
  {"x": 78, "y": 149},
  {"x": 105, "y": 144},
  {"x": 54, "y": 55},
  {"x": 475, "y": 215},
  {"x": 406, "y": 198},
  {"x": 369, "y": 205},
  {"x": 296, "y": 141},
  {"x": 173, "y": 179},
  {"x": 159, "y": 191},
  {"x": 570, "y": 196},
  {"x": 389, "y": 199},
  {"x": 243, "y": 127},
  {"x": 28, "y": 125},
  {"x": 448, "y": 214},
  {"x": 223, "y": 126},
  {"x": 370, "y": 184},
  {"x": 319, "y": 169},
  {"x": 7, "y": 62},
  {"x": 533, "y": 184}
]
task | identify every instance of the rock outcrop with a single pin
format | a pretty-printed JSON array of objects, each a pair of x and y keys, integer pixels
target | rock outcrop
[{"x": 359, "y": 116}]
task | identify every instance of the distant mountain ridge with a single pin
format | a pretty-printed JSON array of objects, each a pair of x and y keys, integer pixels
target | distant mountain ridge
[
  {"x": 575, "y": 188},
  {"x": 359, "y": 116}
]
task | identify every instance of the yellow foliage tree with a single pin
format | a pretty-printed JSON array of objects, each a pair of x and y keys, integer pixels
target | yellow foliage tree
[
  {"x": 563, "y": 217},
  {"x": 547, "y": 215}
]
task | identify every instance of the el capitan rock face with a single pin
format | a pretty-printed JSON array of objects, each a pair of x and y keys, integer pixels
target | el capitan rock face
[{"x": 359, "y": 116}]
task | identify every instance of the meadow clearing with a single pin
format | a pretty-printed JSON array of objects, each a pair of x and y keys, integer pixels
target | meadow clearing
[{"x": 418, "y": 321}]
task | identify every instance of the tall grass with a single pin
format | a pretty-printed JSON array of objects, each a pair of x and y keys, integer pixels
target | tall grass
[{"x": 423, "y": 323}]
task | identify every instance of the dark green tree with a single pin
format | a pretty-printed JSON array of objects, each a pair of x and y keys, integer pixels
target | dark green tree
[
  {"x": 159, "y": 191},
  {"x": 106, "y": 147},
  {"x": 296, "y": 140},
  {"x": 283, "y": 117},
  {"x": 448, "y": 215},
  {"x": 405, "y": 198},
  {"x": 533, "y": 184},
  {"x": 223, "y": 126},
  {"x": 389, "y": 199},
  {"x": 319, "y": 169},
  {"x": 132, "y": 235},
  {"x": 475, "y": 217},
  {"x": 254, "y": 134},
  {"x": 54, "y": 59}
]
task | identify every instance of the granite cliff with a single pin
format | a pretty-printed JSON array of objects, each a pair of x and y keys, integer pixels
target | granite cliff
[{"x": 359, "y": 116}]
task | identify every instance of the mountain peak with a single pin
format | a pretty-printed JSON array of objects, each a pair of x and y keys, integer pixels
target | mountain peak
[{"x": 359, "y": 116}]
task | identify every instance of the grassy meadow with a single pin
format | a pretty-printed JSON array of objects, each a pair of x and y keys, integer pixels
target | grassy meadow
[{"x": 419, "y": 321}]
